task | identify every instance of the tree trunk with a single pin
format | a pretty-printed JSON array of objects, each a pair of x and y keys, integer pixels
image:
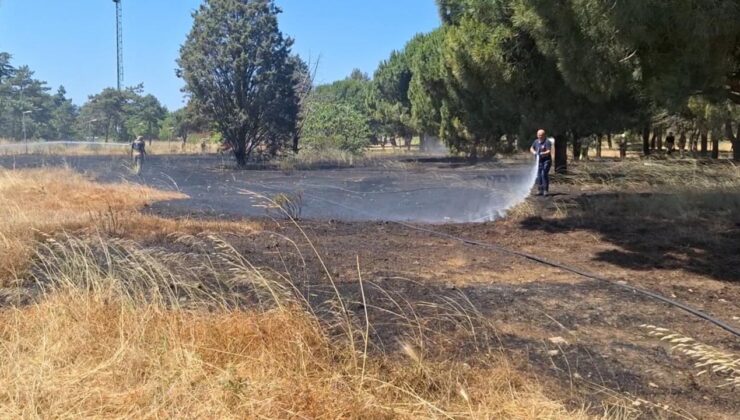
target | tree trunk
[
  {"x": 473, "y": 155},
  {"x": 239, "y": 148},
  {"x": 659, "y": 143},
  {"x": 609, "y": 141},
  {"x": 704, "y": 142},
  {"x": 646, "y": 140},
  {"x": 241, "y": 156},
  {"x": 598, "y": 146},
  {"x": 736, "y": 143},
  {"x": 561, "y": 154},
  {"x": 576, "y": 148},
  {"x": 694, "y": 139},
  {"x": 653, "y": 140},
  {"x": 296, "y": 138},
  {"x": 393, "y": 141},
  {"x": 715, "y": 143},
  {"x": 408, "y": 140},
  {"x": 682, "y": 142},
  {"x": 730, "y": 135}
]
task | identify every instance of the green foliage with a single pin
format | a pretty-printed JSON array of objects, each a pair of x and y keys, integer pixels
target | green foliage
[
  {"x": 146, "y": 116},
  {"x": 122, "y": 115},
  {"x": 503, "y": 68},
  {"x": 107, "y": 113},
  {"x": 63, "y": 116},
  {"x": 26, "y": 101},
  {"x": 335, "y": 125},
  {"x": 6, "y": 69},
  {"x": 428, "y": 87},
  {"x": 351, "y": 91},
  {"x": 387, "y": 98},
  {"x": 667, "y": 50},
  {"x": 238, "y": 68}
]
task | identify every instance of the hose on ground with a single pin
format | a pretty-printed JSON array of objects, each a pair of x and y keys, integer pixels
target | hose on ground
[
  {"x": 656, "y": 296},
  {"x": 717, "y": 322}
]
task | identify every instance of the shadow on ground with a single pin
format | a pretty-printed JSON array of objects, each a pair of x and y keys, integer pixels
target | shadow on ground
[{"x": 696, "y": 232}]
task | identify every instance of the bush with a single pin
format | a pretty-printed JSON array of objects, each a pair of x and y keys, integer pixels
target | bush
[{"x": 331, "y": 125}]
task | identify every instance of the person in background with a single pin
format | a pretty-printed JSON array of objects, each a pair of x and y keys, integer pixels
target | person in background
[
  {"x": 670, "y": 142},
  {"x": 138, "y": 150},
  {"x": 542, "y": 148}
]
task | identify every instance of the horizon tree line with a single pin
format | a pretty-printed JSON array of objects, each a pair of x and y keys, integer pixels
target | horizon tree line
[{"x": 491, "y": 74}]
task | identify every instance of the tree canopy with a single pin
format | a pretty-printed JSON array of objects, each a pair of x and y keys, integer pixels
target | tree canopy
[
  {"x": 499, "y": 69},
  {"x": 26, "y": 102},
  {"x": 239, "y": 70},
  {"x": 110, "y": 114}
]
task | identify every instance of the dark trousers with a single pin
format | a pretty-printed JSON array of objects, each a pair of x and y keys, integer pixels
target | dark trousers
[{"x": 543, "y": 175}]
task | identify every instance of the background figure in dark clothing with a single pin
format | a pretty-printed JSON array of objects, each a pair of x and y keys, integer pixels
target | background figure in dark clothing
[
  {"x": 138, "y": 151},
  {"x": 670, "y": 142},
  {"x": 542, "y": 148},
  {"x": 682, "y": 142}
]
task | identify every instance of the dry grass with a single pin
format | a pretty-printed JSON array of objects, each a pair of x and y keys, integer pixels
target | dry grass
[
  {"x": 319, "y": 159},
  {"x": 705, "y": 357},
  {"x": 118, "y": 329},
  {"x": 637, "y": 175},
  {"x": 47, "y": 200},
  {"x": 157, "y": 147},
  {"x": 122, "y": 331},
  {"x": 521, "y": 211},
  {"x": 681, "y": 191}
]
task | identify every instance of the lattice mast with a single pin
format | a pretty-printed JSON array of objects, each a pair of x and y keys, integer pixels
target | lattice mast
[{"x": 119, "y": 43}]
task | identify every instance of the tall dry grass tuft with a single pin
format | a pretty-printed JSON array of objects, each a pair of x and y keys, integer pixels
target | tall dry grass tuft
[
  {"x": 707, "y": 358},
  {"x": 37, "y": 201},
  {"x": 121, "y": 330}
]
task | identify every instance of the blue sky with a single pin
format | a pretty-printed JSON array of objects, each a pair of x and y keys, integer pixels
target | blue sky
[{"x": 72, "y": 42}]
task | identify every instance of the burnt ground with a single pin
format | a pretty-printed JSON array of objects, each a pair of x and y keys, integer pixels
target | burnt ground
[
  {"x": 429, "y": 190},
  {"x": 604, "y": 353}
]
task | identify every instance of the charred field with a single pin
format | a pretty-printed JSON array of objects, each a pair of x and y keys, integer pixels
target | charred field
[{"x": 405, "y": 323}]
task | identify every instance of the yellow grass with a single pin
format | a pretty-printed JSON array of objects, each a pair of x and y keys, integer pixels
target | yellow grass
[
  {"x": 85, "y": 355},
  {"x": 124, "y": 331},
  {"x": 47, "y": 200}
]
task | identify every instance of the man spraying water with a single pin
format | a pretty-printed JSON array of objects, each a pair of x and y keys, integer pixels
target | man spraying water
[
  {"x": 138, "y": 150},
  {"x": 542, "y": 148}
]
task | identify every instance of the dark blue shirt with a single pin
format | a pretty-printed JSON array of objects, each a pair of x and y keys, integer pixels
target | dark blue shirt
[{"x": 544, "y": 146}]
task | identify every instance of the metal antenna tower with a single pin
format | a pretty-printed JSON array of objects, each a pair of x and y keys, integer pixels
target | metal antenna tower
[{"x": 119, "y": 42}]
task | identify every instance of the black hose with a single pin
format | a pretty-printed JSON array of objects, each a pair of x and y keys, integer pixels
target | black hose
[{"x": 725, "y": 326}]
